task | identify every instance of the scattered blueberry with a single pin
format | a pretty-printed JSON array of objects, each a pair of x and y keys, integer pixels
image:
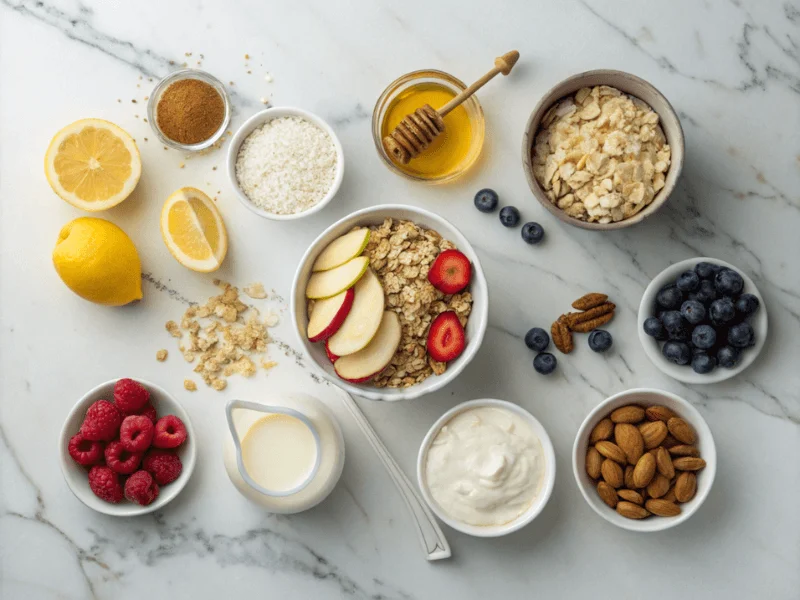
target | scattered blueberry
[
  {"x": 600, "y": 340},
  {"x": 728, "y": 282},
  {"x": 693, "y": 311},
  {"x": 669, "y": 297},
  {"x": 704, "y": 337},
  {"x": 486, "y": 200},
  {"x": 509, "y": 216},
  {"x": 655, "y": 328},
  {"x": 688, "y": 281},
  {"x": 747, "y": 304},
  {"x": 532, "y": 233},
  {"x": 703, "y": 363},
  {"x": 537, "y": 339},
  {"x": 722, "y": 311},
  {"x": 677, "y": 352},
  {"x": 741, "y": 335},
  {"x": 545, "y": 363},
  {"x": 706, "y": 270},
  {"x": 706, "y": 293},
  {"x": 728, "y": 356}
]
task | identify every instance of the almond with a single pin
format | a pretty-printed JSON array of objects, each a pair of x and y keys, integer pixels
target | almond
[
  {"x": 628, "y": 438},
  {"x": 689, "y": 463},
  {"x": 628, "y": 414},
  {"x": 593, "y": 462},
  {"x": 664, "y": 463},
  {"x": 589, "y": 301},
  {"x": 662, "y": 508},
  {"x": 631, "y": 510},
  {"x": 653, "y": 433},
  {"x": 685, "y": 486},
  {"x": 612, "y": 473},
  {"x": 659, "y": 413},
  {"x": 684, "y": 450},
  {"x": 658, "y": 486},
  {"x": 669, "y": 442},
  {"x": 601, "y": 431},
  {"x": 670, "y": 495},
  {"x": 612, "y": 451},
  {"x": 628, "y": 477},
  {"x": 631, "y": 496},
  {"x": 644, "y": 470},
  {"x": 607, "y": 494},
  {"x": 681, "y": 430}
]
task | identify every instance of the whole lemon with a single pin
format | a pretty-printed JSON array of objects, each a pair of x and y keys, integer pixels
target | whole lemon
[{"x": 98, "y": 261}]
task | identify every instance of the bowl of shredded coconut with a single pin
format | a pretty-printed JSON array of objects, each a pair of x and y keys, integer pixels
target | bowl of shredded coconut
[{"x": 285, "y": 163}]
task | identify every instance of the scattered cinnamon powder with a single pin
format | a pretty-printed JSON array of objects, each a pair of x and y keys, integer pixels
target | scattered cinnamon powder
[{"x": 190, "y": 111}]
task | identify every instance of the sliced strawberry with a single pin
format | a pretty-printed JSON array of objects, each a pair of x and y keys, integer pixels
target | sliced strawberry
[
  {"x": 450, "y": 272},
  {"x": 446, "y": 337},
  {"x": 331, "y": 356}
]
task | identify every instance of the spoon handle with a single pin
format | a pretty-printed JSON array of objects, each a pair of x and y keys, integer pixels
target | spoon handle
[{"x": 434, "y": 544}]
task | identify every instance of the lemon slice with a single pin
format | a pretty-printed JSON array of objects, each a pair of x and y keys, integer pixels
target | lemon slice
[
  {"x": 92, "y": 164},
  {"x": 193, "y": 230}
]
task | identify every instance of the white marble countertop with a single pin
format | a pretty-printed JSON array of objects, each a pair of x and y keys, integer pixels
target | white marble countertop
[{"x": 732, "y": 71}]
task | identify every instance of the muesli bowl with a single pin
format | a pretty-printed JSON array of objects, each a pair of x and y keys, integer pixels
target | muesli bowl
[{"x": 476, "y": 323}]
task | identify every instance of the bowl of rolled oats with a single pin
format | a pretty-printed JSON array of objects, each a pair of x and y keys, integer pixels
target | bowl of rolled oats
[
  {"x": 603, "y": 150},
  {"x": 388, "y": 330}
]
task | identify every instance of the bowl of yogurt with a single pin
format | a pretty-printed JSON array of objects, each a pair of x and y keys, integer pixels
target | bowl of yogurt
[{"x": 486, "y": 467}]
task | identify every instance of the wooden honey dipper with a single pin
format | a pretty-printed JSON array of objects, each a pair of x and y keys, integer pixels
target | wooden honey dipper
[{"x": 418, "y": 130}]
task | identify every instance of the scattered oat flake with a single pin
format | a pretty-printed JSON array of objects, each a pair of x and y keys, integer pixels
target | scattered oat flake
[
  {"x": 189, "y": 385},
  {"x": 268, "y": 78},
  {"x": 161, "y": 355},
  {"x": 247, "y": 57},
  {"x": 264, "y": 100},
  {"x": 255, "y": 291},
  {"x": 173, "y": 329}
]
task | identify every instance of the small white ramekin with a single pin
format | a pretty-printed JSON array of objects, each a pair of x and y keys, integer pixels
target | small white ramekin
[{"x": 538, "y": 503}]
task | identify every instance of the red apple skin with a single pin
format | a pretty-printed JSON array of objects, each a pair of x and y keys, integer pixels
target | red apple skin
[
  {"x": 338, "y": 318},
  {"x": 331, "y": 356}
]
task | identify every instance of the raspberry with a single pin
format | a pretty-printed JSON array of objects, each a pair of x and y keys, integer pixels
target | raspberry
[
  {"x": 101, "y": 422},
  {"x": 120, "y": 460},
  {"x": 105, "y": 484},
  {"x": 140, "y": 488},
  {"x": 170, "y": 432},
  {"x": 130, "y": 395},
  {"x": 149, "y": 411},
  {"x": 136, "y": 433},
  {"x": 85, "y": 452},
  {"x": 163, "y": 465}
]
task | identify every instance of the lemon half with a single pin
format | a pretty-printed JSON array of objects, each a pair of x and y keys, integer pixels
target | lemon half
[
  {"x": 92, "y": 164},
  {"x": 193, "y": 230}
]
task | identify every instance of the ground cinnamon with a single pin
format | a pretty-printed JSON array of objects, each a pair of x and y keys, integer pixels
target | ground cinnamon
[{"x": 190, "y": 111}]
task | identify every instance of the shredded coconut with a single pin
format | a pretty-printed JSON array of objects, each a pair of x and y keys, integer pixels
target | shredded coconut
[{"x": 287, "y": 165}]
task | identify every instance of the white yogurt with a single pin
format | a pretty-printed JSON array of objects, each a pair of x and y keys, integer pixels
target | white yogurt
[{"x": 485, "y": 467}]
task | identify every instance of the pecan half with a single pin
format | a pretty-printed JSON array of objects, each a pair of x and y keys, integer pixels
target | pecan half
[
  {"x": 587, "y": 326},
  {"x": 589, "y": 301},
  {"x": 562, "y": 336},
  {"x": 576, "y": 319}
]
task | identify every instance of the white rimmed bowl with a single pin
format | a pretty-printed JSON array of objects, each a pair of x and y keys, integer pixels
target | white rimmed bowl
[
  {"x": 256, "y": 121},
  {"x": 538, "y": 503},
  {"x": 645, "y": 397},
  {"x": 476, "y": 326},
  {"x": 76, "y": 475},
  {"x": 684, "y": 373}
]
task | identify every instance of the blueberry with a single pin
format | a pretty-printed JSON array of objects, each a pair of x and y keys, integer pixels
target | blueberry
[
  {"x": 706, "y": 270},
  {"x": 600, "y": 340},
  {"x": 706, "y": 293},
  {"x": 532, "y": 233},
  {"x": 655, "y": 328},
  {"x": 486, "y": 200},
  {"x": 688, "y": 281},
  {"x": 728, "y": 282},
  {"x": 509, "y": 216},
  {"x": 747, "y": 304},
  {"x": 545, "y": 363},
  {"x": 677, "y": 352},
  {"x": 693, "y": 311},
  {"x": 669, "y": 297},
  {"x": 741, "y": 335},
  {"x": 675, "y": 325},
  {"x": 722, "y": 311},
  {"x": 703, "y": 363},
  {"x": 537, "y": 339},
  {"x": 704, "y": 337},
  {"x": 728, "y": 356}
]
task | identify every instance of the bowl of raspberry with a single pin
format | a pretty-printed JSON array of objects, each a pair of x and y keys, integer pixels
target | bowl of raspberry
[
  {"x": 702, "y": 320},
  {"x": 127, "y": 448}
]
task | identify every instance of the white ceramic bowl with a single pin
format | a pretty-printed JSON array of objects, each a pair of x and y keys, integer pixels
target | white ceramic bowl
[
  {"x": 76, "y": 476},
  {"x": 645, "y": 397},
  {"x": 536, "y": 506},
  {"x": 256, "y": 121},
  {"x": 476, "y": 326},
  {"x": 685, "y": 373}
]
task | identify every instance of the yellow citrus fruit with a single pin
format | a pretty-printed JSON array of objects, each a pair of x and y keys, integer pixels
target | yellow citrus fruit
[
  {"x": 92, "y": 164},
  {"x": 193, "y": 230},
  {"x": 98, "y": 261}
]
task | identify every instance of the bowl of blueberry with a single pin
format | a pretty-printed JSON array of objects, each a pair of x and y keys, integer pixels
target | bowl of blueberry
[{"x": 702, "y": 321}]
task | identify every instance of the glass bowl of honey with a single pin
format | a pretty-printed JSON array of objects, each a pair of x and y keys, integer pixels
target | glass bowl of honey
[{"x": 455, "y": 150}]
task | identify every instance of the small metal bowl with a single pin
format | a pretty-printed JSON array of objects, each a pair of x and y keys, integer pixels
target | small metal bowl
[{"x": 161, "y": 87}]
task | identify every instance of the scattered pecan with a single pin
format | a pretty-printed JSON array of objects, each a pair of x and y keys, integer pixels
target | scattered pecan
[
  {"x": 589, "y": 301},
  {"x": 575, "y": 319},
  {"x": 562, "y": 336},
  {"x": 587, "y": 326}
]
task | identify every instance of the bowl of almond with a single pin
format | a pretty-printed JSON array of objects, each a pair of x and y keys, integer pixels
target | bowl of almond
[{"x": 644, "y": 460}]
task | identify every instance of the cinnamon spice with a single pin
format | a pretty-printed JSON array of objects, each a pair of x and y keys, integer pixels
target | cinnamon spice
[{"x": 190, "y": 111}]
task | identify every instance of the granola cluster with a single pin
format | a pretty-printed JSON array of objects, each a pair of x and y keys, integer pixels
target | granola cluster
[{"x": 401, "y": 253}]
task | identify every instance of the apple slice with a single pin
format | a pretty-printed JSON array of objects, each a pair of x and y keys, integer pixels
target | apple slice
[
  {"x": 328, "y": 315},
  {"x": 341, "y": 250},
  {"x": 331, "y": 356},
  {"x": 364, "y": 318},
  {"x": 329, "y": 283},
  {"x": 364, "y": 364}
]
